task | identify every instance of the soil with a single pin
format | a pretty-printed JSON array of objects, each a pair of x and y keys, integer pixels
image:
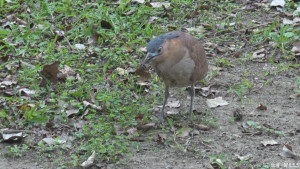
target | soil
[{"x": 230, "y": 138}]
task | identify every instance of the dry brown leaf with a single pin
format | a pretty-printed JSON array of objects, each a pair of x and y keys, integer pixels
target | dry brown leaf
[
  {"x": 128, "y": 49},
  {"x": 50, "y": 72},
  {"x": 141, "y": 71},
  {"x": 162, "y": 138},
  {"x": 262, "y": 107},
  {"x": 139, "y": 117},
  {"x": 146, "y": 127},
  {"x": 194, "y": 13},
  {"x": 201, "y": 127},
  {"x": 106, "y": 25}
]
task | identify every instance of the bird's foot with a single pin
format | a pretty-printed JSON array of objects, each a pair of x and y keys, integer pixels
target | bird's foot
[{"x": 159, "y": 122}]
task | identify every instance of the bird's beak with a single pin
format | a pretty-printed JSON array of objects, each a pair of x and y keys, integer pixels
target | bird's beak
[{"x": 147, "y": 58}]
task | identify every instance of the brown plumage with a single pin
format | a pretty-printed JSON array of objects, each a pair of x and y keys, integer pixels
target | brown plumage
[{"x": 179, "y": 59}]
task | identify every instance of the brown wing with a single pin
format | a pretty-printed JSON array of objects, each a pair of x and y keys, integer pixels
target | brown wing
[{"x": 197, "y": 53}]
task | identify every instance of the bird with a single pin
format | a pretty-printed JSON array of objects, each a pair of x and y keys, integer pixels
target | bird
[{"x": 179, "y": 60}]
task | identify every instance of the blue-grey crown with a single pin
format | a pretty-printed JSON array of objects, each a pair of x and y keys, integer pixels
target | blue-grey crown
[{"x": 155, "y": 43}]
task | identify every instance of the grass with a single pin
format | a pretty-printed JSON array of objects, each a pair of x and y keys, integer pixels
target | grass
[{"x": 117, "y": 44}]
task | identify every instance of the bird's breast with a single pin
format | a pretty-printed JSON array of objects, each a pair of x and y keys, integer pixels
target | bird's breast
[{"x": 176, "y": 74}]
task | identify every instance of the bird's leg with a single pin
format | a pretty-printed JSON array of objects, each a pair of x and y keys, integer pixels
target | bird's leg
[
  {"x": 192, "y": 100},
  {"x": 161, "y": 116}
]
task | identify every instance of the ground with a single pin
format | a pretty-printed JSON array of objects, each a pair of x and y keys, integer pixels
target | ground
[{"x": 253, "y": 65}]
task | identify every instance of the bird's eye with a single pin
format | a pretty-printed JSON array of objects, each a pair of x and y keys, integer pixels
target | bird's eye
[{"x": 159, "y": 49}]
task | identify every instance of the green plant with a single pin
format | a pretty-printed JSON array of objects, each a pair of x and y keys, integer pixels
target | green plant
[
  {"x": 223, "y": 62},
  {"x": 17, "y": 150},
  {"x": 238, "y": 89}
]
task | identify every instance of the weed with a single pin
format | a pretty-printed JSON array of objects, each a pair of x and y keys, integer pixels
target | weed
[{"x": 16, "y": 150}]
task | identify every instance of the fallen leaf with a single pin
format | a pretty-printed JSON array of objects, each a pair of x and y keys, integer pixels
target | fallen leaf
[
  {"x": 173, "y": 104},
  {"x": 151, "y": 20},
  {"x": 143, "y": 49},
  {"x": 287, "y": 152},
  {"x": 121, "y": 71},
  {"x": 129, "y": 13},
  {"x": 243, "y": 158},
  {"x": 184, "y": 132},
  {"x": 7, "y": 83},
  {"x": 194, "y": 132},
  {"x": 199, "y": 29},
  {"x": 204, "y": 7},
  {"x": 71, "y": 112},
  {"x": 12, "y": 136},
  {"x": 297, "y": 11},
  {"x": 50, "y": 72},
  {"x": 60, "y": 33},
  {"x": 262, "y": 107},
  {"x": 89, "y": 161},
  {"x": 132, "y": 132},
  {"x": 139, "y": 1},
  {"x": 160, "y": 4},
  {"x": 128, "y": 49},
  {"x": 106, "y": 25},
  {"x": 294, "y": 96},
  {"x": 79, "y": 46},
  {"x": 276, "y": 3},
  {"x": 51, "y": 141},
  {"x": 27, "y": 92},
  {"x": 162, "y": 138},
  {"x": 269, "y": 142},
  {"x": 93, "y": 39},
  {"x": 216, "y": 102},
  {"x": 141, "y": 71},
  {"x": 172, "y": 112},
  {"x": 87, "y": 104},
  {"x": 217, "y": 163},
  {"x": 146, "y": 127},
  {"x": 259, "y": 53},
  {"x": 200, "y": 127}
]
